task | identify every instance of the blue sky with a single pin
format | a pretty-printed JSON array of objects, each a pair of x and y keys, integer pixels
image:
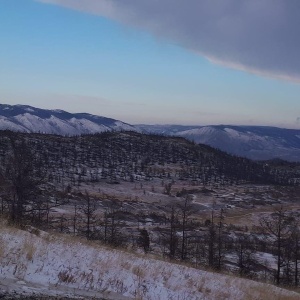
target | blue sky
[{"x": 87, "y": 59}]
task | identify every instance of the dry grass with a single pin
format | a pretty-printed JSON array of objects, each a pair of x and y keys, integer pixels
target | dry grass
[
  {"x": 2, "y": 252},
  {"x": 251, "y": 290},
  {"x": 262, "y": 292},
  {"x": 29, "y": 248},
  {"x": 65, "y": 277},
  {"x": 250, "y": 216}
]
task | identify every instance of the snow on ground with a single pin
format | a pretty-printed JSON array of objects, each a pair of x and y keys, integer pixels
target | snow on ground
[
  {"x": 123, "y": 126},
  {"x": 30, "y": 120},
  {"x": 49, "y": 264},
  {"x": 7, "y": 124},
  {"x": 86, "y": 126}
]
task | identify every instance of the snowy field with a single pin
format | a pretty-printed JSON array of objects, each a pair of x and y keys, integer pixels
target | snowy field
[{"x": 43, "y": 264}]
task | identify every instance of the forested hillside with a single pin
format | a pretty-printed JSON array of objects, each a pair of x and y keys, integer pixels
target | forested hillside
[{"x": 163, "y": 195}]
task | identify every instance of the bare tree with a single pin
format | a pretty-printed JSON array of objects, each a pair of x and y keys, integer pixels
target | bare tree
[
  {"x": 245, "y": 253},
  {"x": 112, "y": 224},
  {"x": 75, "y": 216},
  {"x": 220, "y": 240},
  {"x": 88, "y": 209},
  {"x": 292, "y": 253},
  {"x": 210, "y": 239},
  {"x": 185, "y": 211},
  {"x": 144, "y": 240},
  {"x": 295, "y": 238},
  {"x": 24, "y": 176},
  {"x": 277, "y": 230},
  {"x": 169, "y": 235}
]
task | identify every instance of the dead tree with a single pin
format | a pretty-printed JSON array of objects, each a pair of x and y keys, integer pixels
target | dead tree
[
  {"x": 210, "y": 240},
  {"x": 277, "y": 230},
  {"x": 292, "y": 254},
  {"x": 295, "y": 239},
  {"x": 169, "y": 236},
  {"x": 144, "y": 240},
  {"x": 242, "y": 246},
  {"x": 88, "y": 210},
  {"x": 220, "y": 240},
  {"x": 24, "y": 176},
  {"x": 185, "y": 211},
  {"x": 111, "y": 224}
]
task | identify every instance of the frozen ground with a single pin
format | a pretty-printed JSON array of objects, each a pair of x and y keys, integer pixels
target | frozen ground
[
  {"x": 244, "y": 204},
  {"x": 44, "y": 264}
]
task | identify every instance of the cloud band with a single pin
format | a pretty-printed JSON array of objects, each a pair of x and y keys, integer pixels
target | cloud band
[{"x": 260, "y": 36}]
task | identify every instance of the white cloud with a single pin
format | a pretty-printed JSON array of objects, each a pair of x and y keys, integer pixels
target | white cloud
[{"x": 258, "y": 36}]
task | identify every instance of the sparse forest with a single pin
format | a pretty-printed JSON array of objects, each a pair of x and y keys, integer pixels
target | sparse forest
[{"x": 58, "y": 184}]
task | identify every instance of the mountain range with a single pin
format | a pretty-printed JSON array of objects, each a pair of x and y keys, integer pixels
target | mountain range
[{"x": 255, "y": 142}]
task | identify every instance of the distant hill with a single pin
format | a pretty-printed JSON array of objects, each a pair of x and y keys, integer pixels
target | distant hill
[
  {"x": 116, "y": 156},
  {"x": 26, "y": 118},
  {"x": 255, "y": 142}
]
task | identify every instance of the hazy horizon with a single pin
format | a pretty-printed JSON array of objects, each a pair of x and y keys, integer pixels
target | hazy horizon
[{"x": 158, "y": 124}]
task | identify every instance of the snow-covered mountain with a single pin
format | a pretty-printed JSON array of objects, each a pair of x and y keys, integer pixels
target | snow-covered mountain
[
  {"x": 30, "y": 119},
  {"x": 255, "y": 142}
]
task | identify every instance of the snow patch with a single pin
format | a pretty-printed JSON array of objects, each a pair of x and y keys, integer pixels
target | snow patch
[
  {"x": 28, "y": 122},
  {"x": 29, "y": 109},
  {"x": 46, "y": 261}
]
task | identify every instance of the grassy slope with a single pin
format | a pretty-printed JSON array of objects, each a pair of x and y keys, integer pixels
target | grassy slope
[{"x": 66, "y": 264}]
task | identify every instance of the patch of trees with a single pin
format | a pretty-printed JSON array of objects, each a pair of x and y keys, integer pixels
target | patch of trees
[
  {"x": 129, "y": 156},
  {"x": 219, "y": 246},
  {"x": 25, "y": 195},
  {"x": 282, "y": 235}
]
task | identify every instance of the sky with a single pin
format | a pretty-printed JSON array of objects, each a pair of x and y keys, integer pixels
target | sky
[{"x": 189, "y": 62}]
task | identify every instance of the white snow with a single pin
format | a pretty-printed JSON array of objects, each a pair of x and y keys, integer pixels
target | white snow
[
  {"x": 198, "y": 131},
  {"x": 29, "y": 109},
  {"x": 31, "y": 123},
  {"x": 123, "y": 126},
  {"x": 6, "y": 123},
  {"x": 243, "y": 137},
  {"x": 43, "y": 261},
  {"x": 201, "y": 135},
  {"x": 86, "y": 126},
  {"x": 244, "y": 143}
]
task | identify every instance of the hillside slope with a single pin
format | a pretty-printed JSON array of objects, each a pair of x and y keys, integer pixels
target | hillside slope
[
  {"x": 26, "y": 118},
  {"x": 254, "y": 142},
  {"x": 131, "y": 156},
  {"x": 37, "y": 262}
]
